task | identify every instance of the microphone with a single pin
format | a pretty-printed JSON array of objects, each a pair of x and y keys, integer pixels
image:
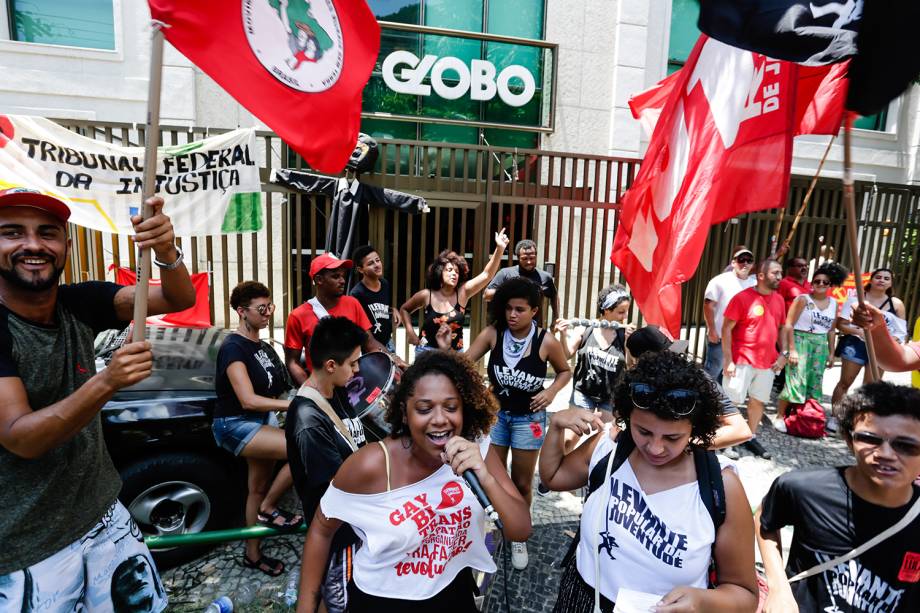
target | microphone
[{"x": 473, "y": 481}]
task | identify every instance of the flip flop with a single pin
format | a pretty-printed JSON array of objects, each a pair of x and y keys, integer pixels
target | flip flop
[
  {"x": 265, "y": 564},
  {"x": 269, "y": 520}
]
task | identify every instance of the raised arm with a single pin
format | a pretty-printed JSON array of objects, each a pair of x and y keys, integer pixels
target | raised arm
[
  {"x": 892, "y": 356},
  {"x": 562, "y": 472},
  {"x": 175, "y": 293},
  {"x": 32, "y": 432},
  {"x": 571, "y": 337},
  {"x": 477, "y": 284}
]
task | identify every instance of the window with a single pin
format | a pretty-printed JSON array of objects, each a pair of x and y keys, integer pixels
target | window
[
  {"x": 88, "y": 23},
  {"x": 522, "y": 18}
]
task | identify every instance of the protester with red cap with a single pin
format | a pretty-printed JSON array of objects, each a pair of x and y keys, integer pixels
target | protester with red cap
[
  {"x": 62, "y": 524},
  {"x": 329, "y": 280}
]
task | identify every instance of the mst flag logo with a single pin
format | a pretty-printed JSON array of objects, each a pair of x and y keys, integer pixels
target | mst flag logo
[{"x": 298, "y": 41}]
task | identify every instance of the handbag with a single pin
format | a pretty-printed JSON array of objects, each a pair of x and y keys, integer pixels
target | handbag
[{"x": 806, "y": 420}]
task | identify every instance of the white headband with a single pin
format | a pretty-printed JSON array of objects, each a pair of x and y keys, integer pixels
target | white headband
[{"x": 612, "y": 298}]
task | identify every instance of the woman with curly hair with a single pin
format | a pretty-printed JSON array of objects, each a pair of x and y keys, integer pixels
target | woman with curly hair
[
  {"x": 445, "y": 298},
  {"x": 518, "y": 354},
  {"x": 645, "y": 525},
  {"x": 422, "y": 530},
  {"x": 810, "y": 335}
]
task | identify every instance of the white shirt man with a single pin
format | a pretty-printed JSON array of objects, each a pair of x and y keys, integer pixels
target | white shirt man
[{"x": 719, "y": 292}]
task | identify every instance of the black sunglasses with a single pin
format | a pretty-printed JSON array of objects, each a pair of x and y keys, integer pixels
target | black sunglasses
[
  {"x": 678, "y": 402},
  {"x": 745, "y": 260},
  {"x": 900, "y": 446}
]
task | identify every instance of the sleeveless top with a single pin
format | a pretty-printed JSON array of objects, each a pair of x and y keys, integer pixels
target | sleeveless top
[
  {"x": 514, "y": 388},
  {"x": 596, "y": 368},
  {"x": 646, "y": 542},
  {"x": 416, "y": 538},
  {"x": 816, "y": 320},
  {"x": 454, "y": 318},
  {"x": 896, "y": 326}
]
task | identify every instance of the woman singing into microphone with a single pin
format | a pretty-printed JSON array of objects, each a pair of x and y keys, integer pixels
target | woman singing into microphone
[{"x": 421, "y": 528}]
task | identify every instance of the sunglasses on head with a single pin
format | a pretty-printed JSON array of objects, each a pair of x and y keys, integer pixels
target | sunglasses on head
[
  {"x": 679, "y": 402},
  {"x": 901, "y": 446}
]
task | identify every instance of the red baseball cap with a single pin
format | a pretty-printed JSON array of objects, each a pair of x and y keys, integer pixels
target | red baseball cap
[
  {"x": 24, "y": 196},
  {"x": 327, "y": 261}
]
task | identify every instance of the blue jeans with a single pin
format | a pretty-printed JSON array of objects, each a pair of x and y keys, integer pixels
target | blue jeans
[{"x": 713, "y": 362}]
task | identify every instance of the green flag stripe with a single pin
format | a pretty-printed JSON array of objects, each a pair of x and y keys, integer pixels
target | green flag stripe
[{"x": 244, "y": 213}]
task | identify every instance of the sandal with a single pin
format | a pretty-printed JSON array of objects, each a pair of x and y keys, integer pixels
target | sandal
[
  {"x": 290, "y": 521},
  {"x": 265, "y": 564}
]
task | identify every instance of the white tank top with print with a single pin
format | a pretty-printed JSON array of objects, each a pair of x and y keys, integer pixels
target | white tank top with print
[{"x": 815, "y": 320}]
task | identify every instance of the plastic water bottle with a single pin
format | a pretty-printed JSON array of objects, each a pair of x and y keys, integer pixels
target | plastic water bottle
[
  {"x": 290, "y": 590},
  {"x": 221, "y": 605},
  {"x": 246, "y": 593}
]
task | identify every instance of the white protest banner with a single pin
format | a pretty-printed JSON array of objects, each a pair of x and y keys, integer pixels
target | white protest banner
[{"x": 209, "y": 186}]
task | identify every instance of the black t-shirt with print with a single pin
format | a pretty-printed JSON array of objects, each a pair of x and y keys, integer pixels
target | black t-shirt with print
[
  {"x": 829, "y": 520},
  {"x": 266, "y": 372},
  {"x": 377, "y": 308},
  {"x": 316, "y": 450}
]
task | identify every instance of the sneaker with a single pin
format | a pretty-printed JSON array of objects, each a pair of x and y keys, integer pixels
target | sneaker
[
  {"x": 542, "y": 490},
  {"x": 519, "y": 555},
  {"x": 757, "y": 449},
  {"x": 779, "y": 424},
  {"x": 731, "y": 453}
]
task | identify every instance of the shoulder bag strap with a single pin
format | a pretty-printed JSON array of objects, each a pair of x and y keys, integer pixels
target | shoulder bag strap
[
  {"x": 386, "y": 459},
  {"x": 900, "y": 525},
  {"x": 318, "y": 309},
  {"x": 308, "y": 392}
]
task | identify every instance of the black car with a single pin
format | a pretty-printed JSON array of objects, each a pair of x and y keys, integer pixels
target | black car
[{"x": 158, "y": 432}]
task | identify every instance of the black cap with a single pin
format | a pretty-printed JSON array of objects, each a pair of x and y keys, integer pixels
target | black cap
[{"x": 651, "y": 338}]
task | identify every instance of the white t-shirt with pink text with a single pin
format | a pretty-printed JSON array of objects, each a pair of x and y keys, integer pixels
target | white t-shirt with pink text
[{"x": 416, "y": 538}]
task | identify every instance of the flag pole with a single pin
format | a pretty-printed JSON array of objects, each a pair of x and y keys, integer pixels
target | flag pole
[
  {"x": 849, "y": 201},
  {"x": 152, "y": 137},
  {"x": 798, "y": 215}
]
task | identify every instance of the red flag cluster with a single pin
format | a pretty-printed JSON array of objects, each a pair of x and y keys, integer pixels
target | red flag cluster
[
  {"x": 721, "y": 147},
  {"x": 298, "y": 66}
]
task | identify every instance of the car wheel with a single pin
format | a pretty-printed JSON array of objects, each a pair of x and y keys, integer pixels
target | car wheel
[{"x": 179, "y": 493}]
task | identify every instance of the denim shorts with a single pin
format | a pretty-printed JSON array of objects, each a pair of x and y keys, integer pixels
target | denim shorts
[
  {"x": 234, "y": 433},
  {"x": 586, "y": 402},
  {"x": 852, "y": 349},
  {"x": 519, "y": 431}
]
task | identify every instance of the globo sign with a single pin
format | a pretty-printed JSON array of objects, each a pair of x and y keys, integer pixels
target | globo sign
[{"x": 403, "y": 72}]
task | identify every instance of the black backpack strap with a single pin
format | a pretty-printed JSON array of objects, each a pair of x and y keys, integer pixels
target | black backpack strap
[
  {"x": 712, "y": 489},
  {"x": 625, "y": 445}
]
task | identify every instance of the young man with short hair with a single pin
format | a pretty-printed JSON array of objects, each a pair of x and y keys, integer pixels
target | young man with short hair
[
  {"x": 329, "y": 276},
  {"x": 834, "y": 510},
  {"x": 719, "y": 292},
  {"x": 317, "y": 445},
  {"x": 750, "y": 332},
  {"x": 373, "y": 292}
]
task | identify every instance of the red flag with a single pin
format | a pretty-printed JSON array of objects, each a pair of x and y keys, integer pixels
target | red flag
[
  {"x": 299, "y": 66},
  {"x": 197, "y": 316},
  {"x": 722, "y": 147}
]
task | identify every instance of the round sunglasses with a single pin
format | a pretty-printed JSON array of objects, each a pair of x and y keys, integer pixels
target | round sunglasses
[
  {"x": 679, "y": 402},
  {"x": 262, "y": 309},
  {"x": 901, "y": 446}
]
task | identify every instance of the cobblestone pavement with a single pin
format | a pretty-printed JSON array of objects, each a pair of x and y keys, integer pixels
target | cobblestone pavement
[{"x": 555, "y": 517}]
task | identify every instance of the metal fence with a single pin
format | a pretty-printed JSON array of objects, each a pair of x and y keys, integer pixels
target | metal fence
[{"x": 567, "y": 203}]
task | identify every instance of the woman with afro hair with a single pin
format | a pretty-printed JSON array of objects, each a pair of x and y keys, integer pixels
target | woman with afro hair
[
  {"x": 422, "y": 530},
  {"x": 646, "y": 526}
]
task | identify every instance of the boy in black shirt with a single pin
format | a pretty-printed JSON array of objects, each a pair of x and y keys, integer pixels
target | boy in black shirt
[
  {"x": 373, "y": 292},
  {"x": 835, "y": 510},
  {"x": 318, "y": 443}
]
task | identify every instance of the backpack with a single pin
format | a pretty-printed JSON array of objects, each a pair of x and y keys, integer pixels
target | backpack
[
  {"x": 708, "y": 476},
  {"x": 806, "y": 420}
]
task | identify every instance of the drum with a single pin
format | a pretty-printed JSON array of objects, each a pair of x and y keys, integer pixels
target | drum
[{"x": 370, "y": 392}]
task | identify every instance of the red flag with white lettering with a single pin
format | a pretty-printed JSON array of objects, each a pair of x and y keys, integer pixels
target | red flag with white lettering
[
  {"x": 298, "y": 65},
  {"x": 722, "y": 147}
]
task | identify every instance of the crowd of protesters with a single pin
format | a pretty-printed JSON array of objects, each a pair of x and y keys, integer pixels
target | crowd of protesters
[{"x": 395, "y": 525}]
